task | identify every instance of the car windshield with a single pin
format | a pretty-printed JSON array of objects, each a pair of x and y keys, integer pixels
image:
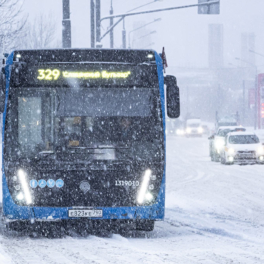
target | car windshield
[
  {"x": 243, "y": 139},
  {"x": 86, "y": 120}
]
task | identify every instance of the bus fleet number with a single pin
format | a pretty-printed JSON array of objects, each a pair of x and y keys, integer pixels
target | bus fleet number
[{"x": 48, "y": 74}]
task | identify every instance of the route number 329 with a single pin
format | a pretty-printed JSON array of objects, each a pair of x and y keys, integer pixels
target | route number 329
[{"x": 48, "y": 74}]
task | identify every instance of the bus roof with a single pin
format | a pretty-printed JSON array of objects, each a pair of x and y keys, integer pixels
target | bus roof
[{"x": 85, "y": 55}]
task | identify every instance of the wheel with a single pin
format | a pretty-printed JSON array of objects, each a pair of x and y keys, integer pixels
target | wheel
[
  {"x": 212, "y": 154},
  {"x": 222, "y": 160},
  {"x": 145, "y": 225},
  {"x": 216, "y": 158},
  {"x": 225, "y": 161},
  {"x": 17, "y": 227}
]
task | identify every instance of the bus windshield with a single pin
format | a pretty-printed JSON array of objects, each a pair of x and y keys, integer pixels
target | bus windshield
[{"x": 104, "y": 123}]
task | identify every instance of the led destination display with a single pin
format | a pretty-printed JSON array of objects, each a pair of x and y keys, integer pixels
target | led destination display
[
  {"x": 87, "y": 75},
  {"x": 50, "y": 75}
]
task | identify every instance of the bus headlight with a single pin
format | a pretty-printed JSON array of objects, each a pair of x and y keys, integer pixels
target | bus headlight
[
  {"x": 149, "y": 197},
  {"x": 22, "y": 176},
  {"x": 188, "y": 130},
  {"x": 144, "y": 186},
  {"x": 20, "y": 196}
]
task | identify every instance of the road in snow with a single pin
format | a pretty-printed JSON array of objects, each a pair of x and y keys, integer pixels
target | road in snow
[{"x": 214, "y": 214}]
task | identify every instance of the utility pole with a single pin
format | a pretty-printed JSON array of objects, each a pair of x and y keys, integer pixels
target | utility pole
[
  {"x": 98, "y": 23},
  {"x": 92, "y": 25},
  {"x": 124, "y": 35},
  {"x": 66, "y": 25},
  {"x": 256, "y": 92},
  {"x": 243, "y": 109},
  {"x": 122, "y": 16},
  {"x": 111, "y": 25}
]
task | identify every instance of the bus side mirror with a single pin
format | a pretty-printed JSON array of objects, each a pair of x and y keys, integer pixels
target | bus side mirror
[{"x": 173, "y": 97}]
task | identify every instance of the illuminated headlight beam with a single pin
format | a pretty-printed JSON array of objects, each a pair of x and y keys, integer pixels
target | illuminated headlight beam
[
  {"x": 200, "y": 130},
  {"x": 23, "y": 181},
  {"x": 144, "y": 187},
  {"x": 260, "y": 151},
  {"x": 219, "y": 144}
]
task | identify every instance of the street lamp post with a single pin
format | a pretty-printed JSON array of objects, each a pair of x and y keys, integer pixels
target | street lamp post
[
  {"x": 92, "y": 23},
  {"x": 66, "y": 25},
  {"x": 111, "y": 25},
  {"x": 124, "y": 35},
  {"x": 256, "y": 52},
  {"x": 98, "y": 21},
  {"x": 122, "y": 16},
  {"x": 144, "y": 36},
  {"x": 150, "y": 44},
  {"x": 256, "y": 91},
  {"x": 155, "y": 20}
]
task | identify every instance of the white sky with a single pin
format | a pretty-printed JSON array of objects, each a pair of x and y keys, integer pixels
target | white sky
[{"x": 183, "y": 32}]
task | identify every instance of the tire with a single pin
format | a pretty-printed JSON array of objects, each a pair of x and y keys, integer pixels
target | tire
[
  {"x": 223, "y": 161},
  {"x": 17, "y": 226},
  {"x": 145, "y": 225},
  {"x": 216, "y": 158}
]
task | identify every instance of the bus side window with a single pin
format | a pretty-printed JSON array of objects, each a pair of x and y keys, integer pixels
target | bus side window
[{"x": 2, "y": 91}]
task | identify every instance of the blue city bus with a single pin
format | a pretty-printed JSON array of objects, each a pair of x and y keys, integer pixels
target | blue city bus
[{"x": 83, "y": 139}]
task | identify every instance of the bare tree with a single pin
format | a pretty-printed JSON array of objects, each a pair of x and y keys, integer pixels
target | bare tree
[
  {"x": 39, "y": 34},
  {"x": 11, "y": 23}
]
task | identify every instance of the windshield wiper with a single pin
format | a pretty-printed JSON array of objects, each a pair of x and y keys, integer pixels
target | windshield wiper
[
  {"x": 117, "y": 148},
  {"x": 103, "y": 147},
  {"x": 120, "y": 150},
  {"x": 44, "y": 154}
]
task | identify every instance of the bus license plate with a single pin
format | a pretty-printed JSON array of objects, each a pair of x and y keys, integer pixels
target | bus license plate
[{"x": 85, "y": 213}]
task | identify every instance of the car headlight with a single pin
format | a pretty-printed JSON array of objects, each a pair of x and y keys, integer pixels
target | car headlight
[
  {"x": 188, "y": 130},
  {"x": 179, "y": 132},
  {"x": 200, "y": 130},
  {"x": 230, "y": 151},
  {"x": 260, "y": 151},
  {"x": 219, "y": 144}
]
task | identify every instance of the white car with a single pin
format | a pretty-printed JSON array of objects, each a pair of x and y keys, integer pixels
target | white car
[
  {"x": 217, "y": 141},
  {"x": 242, "y": 147},
  {"x": 193, "y": 128}
]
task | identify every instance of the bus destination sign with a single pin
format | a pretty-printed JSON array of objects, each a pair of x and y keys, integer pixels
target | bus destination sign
[{"x": 55, "y": 74}]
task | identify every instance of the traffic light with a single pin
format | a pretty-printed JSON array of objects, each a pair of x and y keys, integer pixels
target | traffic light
[{"x": 210, "y": 9}]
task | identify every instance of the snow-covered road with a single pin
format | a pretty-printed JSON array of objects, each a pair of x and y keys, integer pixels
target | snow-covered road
[{"x": 214, "y": 214}]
